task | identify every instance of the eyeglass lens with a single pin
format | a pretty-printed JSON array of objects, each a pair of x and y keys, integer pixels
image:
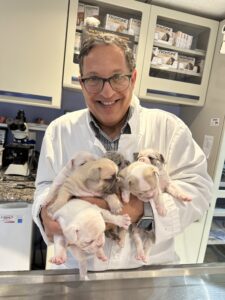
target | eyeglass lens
[{"x": 96, "y": 84}]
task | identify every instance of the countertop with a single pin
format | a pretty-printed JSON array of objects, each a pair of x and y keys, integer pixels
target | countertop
[
  {"x": 16, "y": 188},
  {"x": 176, "y": 282}
]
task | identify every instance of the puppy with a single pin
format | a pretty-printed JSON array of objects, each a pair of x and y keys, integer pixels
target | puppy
[
  {"x": 118, "y": 159},
  {"x": 95, "y": 178},
  {"x": 156, "y": 159},
  {"x": 141, "y": 180},
  {"x": 78, "y": 160},
  {"x": 83, "y": 226}
]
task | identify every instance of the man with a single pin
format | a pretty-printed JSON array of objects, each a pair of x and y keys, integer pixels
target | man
[{"x": 114, "y": 120}]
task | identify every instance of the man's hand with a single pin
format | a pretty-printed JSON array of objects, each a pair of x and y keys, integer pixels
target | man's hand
[
  {"x": 51, "y": 227},
  {"x": 134, "y": 208}
]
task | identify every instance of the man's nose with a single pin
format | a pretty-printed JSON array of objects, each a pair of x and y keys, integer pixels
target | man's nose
[{"x": 107, "y": 90}]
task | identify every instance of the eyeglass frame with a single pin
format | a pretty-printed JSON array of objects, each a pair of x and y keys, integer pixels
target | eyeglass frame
[{"x": 104, "y": 80}]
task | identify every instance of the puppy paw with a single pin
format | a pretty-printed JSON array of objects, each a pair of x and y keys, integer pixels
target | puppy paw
[
  {"x": 161, "y": 210},
  {"x": 116, "y": 209},
  {"x": 141, "y": 256},
  {"x": 114, "y": 203},
  {"x": 123, "y": 221},
  {"x": 58, "y": 260},
  {"x": 184, "y": 197},
  {"x": 102, "y": 257}
]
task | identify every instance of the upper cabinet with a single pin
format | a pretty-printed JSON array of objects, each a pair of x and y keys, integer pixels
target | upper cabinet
[
  {"x": 178, "y": 57},
  {"x": 32, "y": 51},
  {"x": 127, "y": 18}
]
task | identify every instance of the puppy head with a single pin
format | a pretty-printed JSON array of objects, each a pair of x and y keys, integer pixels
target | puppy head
[
  {"x": 152, "y": 157},
  {"x": 101, "y": 176},
  {"x": 143, "y": 181},
  {"x": 81, "y": 158},
  {"x": 86, "y": 231},
  {"x": 118, "y": 159}
]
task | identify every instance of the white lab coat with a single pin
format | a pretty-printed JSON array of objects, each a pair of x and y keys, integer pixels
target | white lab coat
[{"x": 150, "y": 128}]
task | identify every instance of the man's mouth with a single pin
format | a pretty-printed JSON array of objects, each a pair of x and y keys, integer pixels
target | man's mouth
[{"x": 107, "y": 103}]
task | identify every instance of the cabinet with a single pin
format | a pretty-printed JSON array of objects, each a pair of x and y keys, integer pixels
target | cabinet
[
  {"x": 178, "y": 56},
  {"x": 208, "y": 128},
  {"x": 124, "y": 9},
  {"x": 32, "y": 51}
]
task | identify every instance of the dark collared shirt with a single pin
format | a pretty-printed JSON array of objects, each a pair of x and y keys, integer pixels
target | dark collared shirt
[{"x": 107, "y": 142}]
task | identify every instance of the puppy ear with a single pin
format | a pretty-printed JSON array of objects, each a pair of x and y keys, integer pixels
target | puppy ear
[
  {"x": 135, "y": 156},
  {"x": 132, "y": 182},
  {"x": 71, "y": 234},
  {"x": 122, "y": 174},
  {"x": 93, "y": 175},
  {"x": 151, "y": 175},
  {"x": 161, "y": 158}
]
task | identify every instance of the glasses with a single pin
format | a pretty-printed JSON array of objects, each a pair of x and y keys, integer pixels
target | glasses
[{"x": 118, "y": 82}]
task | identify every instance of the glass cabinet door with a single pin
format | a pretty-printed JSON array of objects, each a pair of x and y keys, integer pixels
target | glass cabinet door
[
  {"x": 129, "y": 19},
  {"x": 178, "y": 57}
]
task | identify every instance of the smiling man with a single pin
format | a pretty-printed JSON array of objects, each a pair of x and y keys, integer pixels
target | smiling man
[{"x": 115, "y": 120}]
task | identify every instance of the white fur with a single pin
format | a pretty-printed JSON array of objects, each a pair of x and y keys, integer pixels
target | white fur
[{"x": 83, "y": 226}]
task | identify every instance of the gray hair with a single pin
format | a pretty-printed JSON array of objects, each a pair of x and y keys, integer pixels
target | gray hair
[{"x": 105, "y": 39}]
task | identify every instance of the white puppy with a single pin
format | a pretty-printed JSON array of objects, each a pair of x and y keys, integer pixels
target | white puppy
[{"x": 83, "y": 226}]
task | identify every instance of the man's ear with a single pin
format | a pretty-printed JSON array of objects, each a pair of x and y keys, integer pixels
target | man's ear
[
  {"x": 71, "y": 233},
  {"x": 133, "y": 78}
]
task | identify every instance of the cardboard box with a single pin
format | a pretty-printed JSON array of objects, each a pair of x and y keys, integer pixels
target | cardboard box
[
  {"x": 163, "y": 34},
  {"x": 186, "y": 63},
  {"x": 115, "y": 23},
  {"x": 80, "y": 14},
  {"x": 134, "y": 26},
  {"x": 164, "y": 58},
  {"x": 91, "y": 11}
]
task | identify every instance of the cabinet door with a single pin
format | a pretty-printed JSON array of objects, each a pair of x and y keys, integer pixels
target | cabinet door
[
  {"x": 125, "y": 10},
  {"x": 214, "y": 232},
  {"x": 32, "y": 51},
  {"x": 178, "y": 57}
]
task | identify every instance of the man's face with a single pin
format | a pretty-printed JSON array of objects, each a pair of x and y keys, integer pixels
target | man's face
[{"x": 108, "y": 106}]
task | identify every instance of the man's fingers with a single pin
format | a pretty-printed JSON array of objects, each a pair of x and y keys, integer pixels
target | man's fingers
[{"x": 51, "y": 226}]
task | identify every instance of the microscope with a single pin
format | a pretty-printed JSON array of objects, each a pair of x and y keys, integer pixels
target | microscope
[{"x": 17, "y": 156}]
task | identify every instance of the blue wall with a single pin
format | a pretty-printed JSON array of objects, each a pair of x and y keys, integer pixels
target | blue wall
[{"x": 71, "y": 100}]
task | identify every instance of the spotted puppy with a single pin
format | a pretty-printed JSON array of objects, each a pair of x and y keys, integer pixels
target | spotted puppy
[{"x": 156, "y": 159}]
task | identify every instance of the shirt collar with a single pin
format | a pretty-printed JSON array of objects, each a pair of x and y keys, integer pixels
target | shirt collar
[{"x": 126, "y": 129}]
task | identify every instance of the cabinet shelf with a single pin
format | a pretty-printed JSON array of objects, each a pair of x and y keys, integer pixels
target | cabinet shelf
[
  {"x": 219, "y": 212},
  {"x": 197, "y": 52},
  {"x": 168, "y": 69}
]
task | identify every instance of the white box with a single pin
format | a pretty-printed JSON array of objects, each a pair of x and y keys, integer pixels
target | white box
[
  {"x": 134, "y": 26},
  {"x": 115, "y": 23},
  {"x": 16, "y": 227},
  {"x": 164, "y": 58},
  {"x": 163, "y": 34}
]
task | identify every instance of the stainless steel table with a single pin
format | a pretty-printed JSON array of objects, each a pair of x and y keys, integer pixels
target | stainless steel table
[{"x": 177, "y": 282}]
